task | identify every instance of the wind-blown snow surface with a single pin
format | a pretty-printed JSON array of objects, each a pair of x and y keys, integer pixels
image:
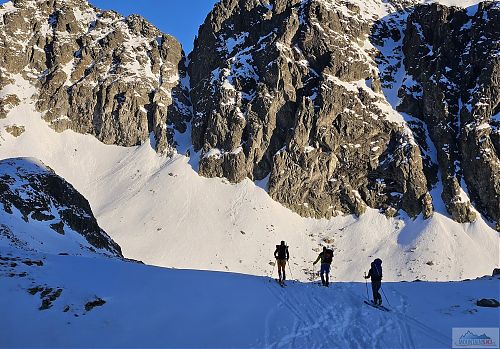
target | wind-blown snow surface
[
  {"x": 155, "y": 307},
  {"x": 161, "y": 212}
]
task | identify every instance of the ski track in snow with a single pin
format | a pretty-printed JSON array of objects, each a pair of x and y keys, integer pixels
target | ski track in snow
[
  {"x": 156, "y": 307},
  {"x": 318, "y": 320},
  {"x": 297, "y": 316}
]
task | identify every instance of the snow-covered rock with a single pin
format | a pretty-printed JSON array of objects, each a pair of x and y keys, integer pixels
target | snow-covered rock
[
  {"x": 157, "y": 208},
  {"x": 453, "y": 57},
  {"x": 95, "y": 71},
  {"x": 42, "y": 212},
  {"x": 312, "y": 91}
]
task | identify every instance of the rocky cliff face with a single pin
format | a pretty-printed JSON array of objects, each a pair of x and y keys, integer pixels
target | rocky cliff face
[
  {"x": 453, "y": 56},
  {"x": 56, "y": 212},
  {"x": 291, "y": 90},
  {"x": 95, "y": 71},
  {"x": 339, "y": 105},
  {"x": 306, "y": 92}
]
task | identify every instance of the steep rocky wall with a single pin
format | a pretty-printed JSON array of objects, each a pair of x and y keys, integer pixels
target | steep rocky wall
[
  {"x": 96, "y": 72},
  {"x": 304, "y": 92},
  {"x": 454, "y": 56},
  {"x": 290, "y": 90},
  {"x": 300, "y": 93}
]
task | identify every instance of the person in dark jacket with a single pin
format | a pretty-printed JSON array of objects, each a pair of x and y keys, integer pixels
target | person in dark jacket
[
  {"x": 375, "y": 274},
  {"x": 326, "y": 258},
  {"x": 281, "y": 254}
]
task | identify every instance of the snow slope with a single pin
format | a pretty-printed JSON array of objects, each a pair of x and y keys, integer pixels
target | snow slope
[
  {"x": 148, "y": 306},
  {"x": 161, "y": 212}
]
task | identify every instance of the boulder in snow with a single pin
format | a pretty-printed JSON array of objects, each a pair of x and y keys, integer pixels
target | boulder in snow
[{"x": 488, "y": 302}]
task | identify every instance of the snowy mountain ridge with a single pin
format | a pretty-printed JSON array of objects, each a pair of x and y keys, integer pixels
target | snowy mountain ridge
[
  {"x": 155, "y": 206},
  {"x": 324, "y": 122},
  {"x": 277, "y": 104},
  {"x": 95, "y": 71}
]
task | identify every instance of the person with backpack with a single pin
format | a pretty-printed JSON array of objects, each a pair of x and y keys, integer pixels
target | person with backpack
[
  {"x": 375, "y": 274},
  {"x": 326, "y": 258},
  {"x": 281, "y": 254}
]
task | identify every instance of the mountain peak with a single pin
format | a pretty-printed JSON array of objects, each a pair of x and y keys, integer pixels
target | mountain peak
[{"x": 96, "y": 71}]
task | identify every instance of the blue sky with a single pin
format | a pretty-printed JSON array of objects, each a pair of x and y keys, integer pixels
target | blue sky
[{"x": 180, "y": 18}]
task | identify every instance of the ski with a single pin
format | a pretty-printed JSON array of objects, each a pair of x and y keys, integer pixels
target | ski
[{"x": 380, "y": 307}]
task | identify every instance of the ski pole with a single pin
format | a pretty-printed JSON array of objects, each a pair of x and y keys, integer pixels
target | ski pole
[
  {"x": 290, "y": 268},
  {"x": 385, "y": 296},
  {"x": 366, "y": 284}
]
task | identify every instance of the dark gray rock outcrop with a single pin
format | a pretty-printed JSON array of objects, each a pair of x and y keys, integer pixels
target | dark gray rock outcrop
[
  {"x": 298, "y": 91},
  {"x": 454, "y": 57},
  {"x": 290, "y": 90},
  {"x": 302, "y": 93},
  {"x": 96, "y": 72},
  {"x": 33, "y": 192}
]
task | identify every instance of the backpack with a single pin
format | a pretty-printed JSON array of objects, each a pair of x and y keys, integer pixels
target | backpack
[
  {"x": 327, "y": 256},
  {"x": 377, "y": 269},
  {"x": 282, "y": 251}
]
